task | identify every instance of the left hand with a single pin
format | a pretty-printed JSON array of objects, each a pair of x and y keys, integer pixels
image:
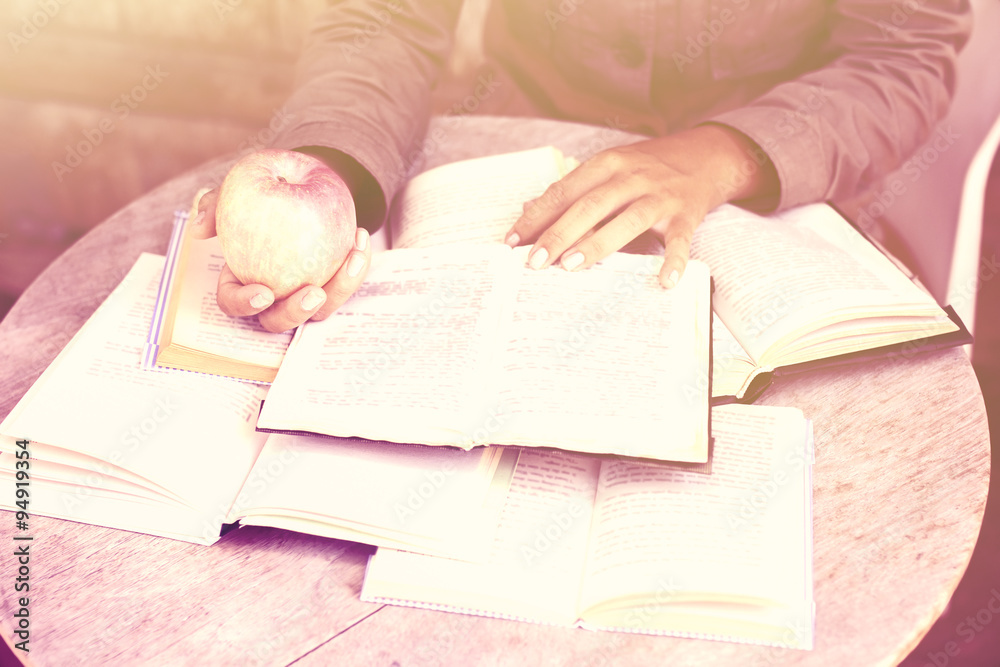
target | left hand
[
  {"x": 309, "y": 302},
  {"x": 667, "y": 184}
]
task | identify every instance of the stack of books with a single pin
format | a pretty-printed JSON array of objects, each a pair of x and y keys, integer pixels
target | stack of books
[{"x": 562, "y": 448}]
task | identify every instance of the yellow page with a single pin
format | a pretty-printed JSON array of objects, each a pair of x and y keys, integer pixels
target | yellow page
[
  {"x": 200, "y": 324},
  {"x": 536, "y": 563},
  {"x": 844, "y": 337},
  {"x": 731, "y": 365},
  {"x": 474, "y": 200},
  {"x": 778, "y": 277}
]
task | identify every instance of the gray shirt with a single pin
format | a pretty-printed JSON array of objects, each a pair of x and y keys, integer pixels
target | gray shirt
[{"x": 837, "y": 93}]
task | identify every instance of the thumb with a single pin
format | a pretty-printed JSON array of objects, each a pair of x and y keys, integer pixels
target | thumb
[{"x": 202, "y": 216}]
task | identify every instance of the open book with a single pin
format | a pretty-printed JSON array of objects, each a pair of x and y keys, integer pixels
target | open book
[
  {"x": 451, "y": 340},
  {"x": 804, "y": 288},
  {"x": 616, "y": 545},
  {"x": 465, "y": 346},
  {"x": 188, "y": 331},
  {"x": 176, "y": 454}
]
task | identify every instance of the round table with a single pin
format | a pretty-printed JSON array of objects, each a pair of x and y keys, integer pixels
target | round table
[{"x": 900, "y": 479}]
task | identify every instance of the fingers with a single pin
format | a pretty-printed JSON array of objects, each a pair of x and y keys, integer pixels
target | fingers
[
  {"x": 539, "y": 214},
  {"x": 619, "y": 232},
  {"x": 293, "y": 310},
  {"x": 309, "y": 302},
  {"x": 635, "y": 193},
  {"x": 587, "y": 212},
  {"x": 677, "y": 249},
  {"x": 348, "y": 277},
  {"x": 202, "y": 225},
  {"x": 239, "y": 300},
  {"x": 620, "y": 183},
  {"x": 312, "y": 302}
]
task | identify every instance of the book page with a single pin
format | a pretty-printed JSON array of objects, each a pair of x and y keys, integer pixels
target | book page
[
  {"x": 427, "y": 499},
  {"x": 731, "y": 365},
  {"x": 537, "y": 559},
  {"x": 518, "y": 583},
  {"x": 95, "y": 496},
  {"x": 737, "y": 534},
  {"x": 56, "y": 465},
  {"x": 200, "y": 324},
  {"x": 591, "y": 351},
  {"x": 186, "y": 435},
  {"x": 408, "y": 358},
  {"x": 475, "y": 200},
  {"x": 806, "y": 268}
]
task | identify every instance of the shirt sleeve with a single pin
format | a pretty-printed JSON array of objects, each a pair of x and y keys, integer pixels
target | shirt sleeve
[
  {"x": 362, "y": 93},
  {"x": 837, "y": 130}
]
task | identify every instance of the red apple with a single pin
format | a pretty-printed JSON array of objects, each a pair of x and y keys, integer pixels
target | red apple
[{"x": 285, "y": 220}]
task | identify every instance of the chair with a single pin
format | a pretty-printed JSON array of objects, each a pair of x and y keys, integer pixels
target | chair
[{"x": 940, "y": 216}]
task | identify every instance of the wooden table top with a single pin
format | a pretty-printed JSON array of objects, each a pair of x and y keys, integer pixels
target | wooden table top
[{"x": 901, "y": 477}]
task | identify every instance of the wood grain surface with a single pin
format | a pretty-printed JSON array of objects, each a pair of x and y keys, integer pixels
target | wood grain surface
[{"x": 901, "y": 476}]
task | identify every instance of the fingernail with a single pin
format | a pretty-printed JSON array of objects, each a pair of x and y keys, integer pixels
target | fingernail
[
  {"x": 312, "y": 299},
  {"x": 360, "y": 240},
  {"x": 672, "y": 279},
  {"x": 573, "y": 261},
  {"x": 538, "y": 258},
  {"x": 513, "y": 239},
  {"x": 198, "y": 219},
  {"x": 260, "y": 300},
  {"x": 355, "y": 263}
]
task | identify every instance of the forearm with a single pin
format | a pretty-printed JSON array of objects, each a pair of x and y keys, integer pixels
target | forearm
[
  {"x": 363, "y": 91},
  {"x": 837, "y": 130},
  {"x": 742, "y": 171}
]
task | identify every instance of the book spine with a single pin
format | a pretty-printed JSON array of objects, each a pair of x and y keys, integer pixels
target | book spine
[
  {"x": 807, "y": 645},
  {"x": 152, "y": 348}
]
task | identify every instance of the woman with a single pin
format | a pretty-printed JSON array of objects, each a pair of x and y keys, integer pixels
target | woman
[{"x": 768, "y": 105}]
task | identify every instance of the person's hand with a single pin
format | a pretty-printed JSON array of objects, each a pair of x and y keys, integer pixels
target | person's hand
[
  {"x": 666, "y": 184},
  {"x": 309, "y": 302}
]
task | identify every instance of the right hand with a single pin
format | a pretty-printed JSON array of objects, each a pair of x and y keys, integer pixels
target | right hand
[{"x": 310, "y": 302}]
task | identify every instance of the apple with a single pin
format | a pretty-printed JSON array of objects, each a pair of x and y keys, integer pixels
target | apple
[{"x": 285, "y": 220}]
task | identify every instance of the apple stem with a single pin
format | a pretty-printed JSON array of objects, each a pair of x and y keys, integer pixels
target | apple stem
[{"x": 282, "y": 179}]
